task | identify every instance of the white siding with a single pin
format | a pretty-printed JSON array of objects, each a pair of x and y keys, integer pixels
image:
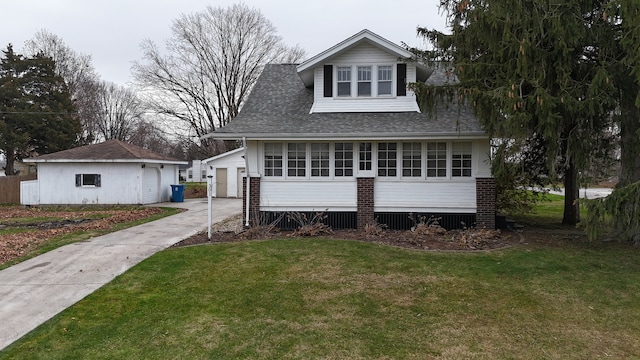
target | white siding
[
  {"x": 121, "y": 183},
  {"x": 29, "y": 192},
  {"x": 422, "y": 196},
  {"x": 232, "y": 163},
  {"x": 363, "y": 54},
  {"x": 308, "y": 195}
]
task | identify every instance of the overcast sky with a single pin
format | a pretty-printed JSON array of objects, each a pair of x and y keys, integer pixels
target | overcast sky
[{"x": 111, "y": 30}]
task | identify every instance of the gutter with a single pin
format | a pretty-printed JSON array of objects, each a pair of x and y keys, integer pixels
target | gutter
[{"x": 248, "y": 185}]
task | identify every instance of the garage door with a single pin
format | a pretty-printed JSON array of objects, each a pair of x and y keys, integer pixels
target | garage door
[{"x": 150, "y": 186}]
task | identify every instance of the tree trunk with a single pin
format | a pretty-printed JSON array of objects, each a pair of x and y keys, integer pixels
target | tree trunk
[
  {"x": 9, "y": 169},
  {"x": 629, "y": 143},
  {"x": 571, "y": 194}
]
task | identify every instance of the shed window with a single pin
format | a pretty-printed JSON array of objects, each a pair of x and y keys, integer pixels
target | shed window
[{"x": 88, "y": 180}]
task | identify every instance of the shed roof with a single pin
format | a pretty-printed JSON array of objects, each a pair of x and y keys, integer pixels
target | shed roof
[{"x": 108, "y": 151}]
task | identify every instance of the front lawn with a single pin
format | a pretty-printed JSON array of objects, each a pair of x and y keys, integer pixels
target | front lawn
[{"x": 316, "y": 298}]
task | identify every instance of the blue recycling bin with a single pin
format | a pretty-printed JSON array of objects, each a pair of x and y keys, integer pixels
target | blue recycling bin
[{"x": 177, "y": 193}]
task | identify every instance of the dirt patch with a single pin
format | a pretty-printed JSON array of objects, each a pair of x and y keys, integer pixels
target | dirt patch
[
  {"x": 24, "y": 229},
  {"x": 426, "y": 238}
]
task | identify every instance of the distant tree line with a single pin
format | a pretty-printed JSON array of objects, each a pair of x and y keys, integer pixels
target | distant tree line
[{"x": 51, "y": 98}]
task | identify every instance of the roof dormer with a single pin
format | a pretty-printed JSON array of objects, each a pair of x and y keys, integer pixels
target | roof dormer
[{"x": 364, "y": 73}]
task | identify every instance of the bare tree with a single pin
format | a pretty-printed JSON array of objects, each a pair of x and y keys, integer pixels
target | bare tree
[
  {"x": 78, "y": 73},
  {"x": 214, "y": 59},
  {"x": 121, "y": 112}
]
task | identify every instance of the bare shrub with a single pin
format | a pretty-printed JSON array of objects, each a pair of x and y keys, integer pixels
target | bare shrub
[
  {"x": 424, "y": 226},
  {"x": 310, "y": 226}
]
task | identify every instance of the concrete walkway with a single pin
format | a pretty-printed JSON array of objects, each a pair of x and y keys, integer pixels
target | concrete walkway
[{"x": 35, "y": 290}]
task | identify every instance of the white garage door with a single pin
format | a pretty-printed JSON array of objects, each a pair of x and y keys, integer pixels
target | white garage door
[{"x": 150, "y": 186}]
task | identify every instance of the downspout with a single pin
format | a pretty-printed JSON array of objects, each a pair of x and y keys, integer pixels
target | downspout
[{"x": 248, "y": 190}]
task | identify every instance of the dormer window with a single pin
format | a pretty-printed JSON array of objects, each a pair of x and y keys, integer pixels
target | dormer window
[
  {"x": 385, "y": 74},
  {"x": 364, "y": 80},
  {"x": 344, "y": 80}
]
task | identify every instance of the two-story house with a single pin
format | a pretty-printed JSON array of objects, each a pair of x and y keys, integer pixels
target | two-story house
[{"x": 342, "y": 134}]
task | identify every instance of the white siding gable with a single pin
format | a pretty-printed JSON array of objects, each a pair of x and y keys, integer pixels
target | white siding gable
[{"x": 363, "y": 54}]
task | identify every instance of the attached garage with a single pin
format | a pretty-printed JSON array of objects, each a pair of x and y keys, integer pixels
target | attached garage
[{"x": 227, "y": 170}]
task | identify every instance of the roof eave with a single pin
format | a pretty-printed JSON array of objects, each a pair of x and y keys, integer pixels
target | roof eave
[
  {"x": 350, "y": 136},
  {"x": 138, "y": 161}
]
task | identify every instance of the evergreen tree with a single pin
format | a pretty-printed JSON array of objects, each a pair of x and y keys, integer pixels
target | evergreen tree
[
  {"x": 37, "y": 115},
  {"x": 533, "y": 69}
]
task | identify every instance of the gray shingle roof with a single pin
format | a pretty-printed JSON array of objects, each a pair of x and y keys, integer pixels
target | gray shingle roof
[
  {"x": 279, "y": 107},
  {"x": 110, "y": 150}
]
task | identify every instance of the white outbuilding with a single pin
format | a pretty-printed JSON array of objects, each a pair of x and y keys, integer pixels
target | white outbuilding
[
  {"x": 112, "y": 172},
  {"x": 227, "y": 171}
]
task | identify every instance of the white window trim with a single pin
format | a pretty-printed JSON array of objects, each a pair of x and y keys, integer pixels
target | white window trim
[
  {"x": 374, "y": 81},
  {"x": 374, "y": 162}
]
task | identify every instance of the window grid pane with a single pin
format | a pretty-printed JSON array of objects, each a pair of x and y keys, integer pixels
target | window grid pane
[
  {"x": 365, "y": 156},
  {"x": 344, "y": 81},
  {"x": 364, "y": 80},
  {"x": 385, "y": 74},
  {"x": 273, "y": 159},
  {"x": 320, "y": 159},
  {"x": 411, "y": 159},
  {"x": 436, "y": 159},
  {"x": 387, "y": 159},
  {"x": 343, "y": 159},
  {"x": 461, "y": 159},
  {"x": 297, "y": 159}
]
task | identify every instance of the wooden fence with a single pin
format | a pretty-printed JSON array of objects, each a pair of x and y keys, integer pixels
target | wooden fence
[{"x": 10, "y": 188}]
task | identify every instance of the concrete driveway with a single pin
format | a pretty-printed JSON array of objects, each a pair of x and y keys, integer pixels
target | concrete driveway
[{"x": 35, "y": 290}]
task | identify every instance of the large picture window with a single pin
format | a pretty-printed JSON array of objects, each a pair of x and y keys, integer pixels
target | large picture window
[
  {"x": 387, "y": 159},
  {"x": 273, "y": 159}
]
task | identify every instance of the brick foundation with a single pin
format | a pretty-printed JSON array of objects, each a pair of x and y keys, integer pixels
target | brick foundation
[
  {"x": 254, "y": 200},
  {"x": 485, "y": 203},
  {"x": 365, "y": 202}
]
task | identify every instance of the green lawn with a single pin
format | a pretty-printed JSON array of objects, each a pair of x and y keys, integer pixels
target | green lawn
[{"x": 315, "y": 298}]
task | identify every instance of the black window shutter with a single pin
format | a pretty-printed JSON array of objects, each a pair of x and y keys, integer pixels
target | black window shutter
[
  {"x": 78, "y": 180},
  {"x": 98, "y": 180},
  {"x": 328, "y": 80},
  {"x": 401, "y": 86}
]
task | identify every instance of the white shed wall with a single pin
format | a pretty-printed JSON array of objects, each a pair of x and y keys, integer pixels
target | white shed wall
[
  {"x": 232, "y": 163},
  {"x": 121, "y": 183}
]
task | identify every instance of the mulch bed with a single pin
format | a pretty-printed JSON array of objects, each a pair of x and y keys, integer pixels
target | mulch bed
[{"x": 422, "y": 237}]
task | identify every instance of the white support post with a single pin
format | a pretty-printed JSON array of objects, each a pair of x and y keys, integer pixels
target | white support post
[{"x": 209, "y": 207}]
